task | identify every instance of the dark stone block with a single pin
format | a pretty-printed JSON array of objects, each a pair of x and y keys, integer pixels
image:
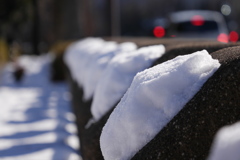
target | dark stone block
[
  {"x": 90, "y": 146},
  {"x": 90, "y": 142},
  {"x": 173, "y": 51},
  {"x": 190, "y": 133},
  {"x": 57, "y": 69},
  {"x": 80, "y": 109}
]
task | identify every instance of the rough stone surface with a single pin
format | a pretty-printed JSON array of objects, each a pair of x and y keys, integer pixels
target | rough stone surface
[
  {"x": 80, "y": 109},
  {"x": 90, "y": 147},
  {"x": 177, "y": 49},
  {"x": 90, "y": 142},
  {"x": 190, "y": 133}
]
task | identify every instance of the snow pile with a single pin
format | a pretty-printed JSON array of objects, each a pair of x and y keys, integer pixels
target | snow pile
[
  {"x": 155, "y": 96},
  {"x": 118, "y": 77},
  {"x": 226, "y": 144},
  {"x": 77, "y": 56},
  {"x": 88, "y": 58},
  {"x": 99, "y": 62}
]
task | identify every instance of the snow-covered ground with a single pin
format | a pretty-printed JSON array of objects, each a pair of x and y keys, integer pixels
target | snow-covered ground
[
  {"x": 36, "y": 121},
  {"x": 155, "y": 96}
]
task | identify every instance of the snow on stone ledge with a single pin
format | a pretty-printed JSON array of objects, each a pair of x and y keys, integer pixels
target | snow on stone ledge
[
  {"x": 77, "y": 55},
  {"x": 226, "y": 143},
  {"x": 118, "y": 77},
  {"x": 99, "y": 62},
  {"x": 88, "y": 58},
  {"x": 155, "y": 96}
]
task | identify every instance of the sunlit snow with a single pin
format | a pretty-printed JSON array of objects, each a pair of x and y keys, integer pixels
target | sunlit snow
[
  {"x": 36, "y": 121},
  {"x": 88, "y": 58},
  {"x": 155, "y": 96},
  {"x": 118, "y": 77}
]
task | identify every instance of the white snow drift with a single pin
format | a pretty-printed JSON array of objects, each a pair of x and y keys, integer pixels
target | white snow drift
[
  {"x": 155, "y": 96},
  {"x": 99, "y": 62},
  {"x": 118, "y": 77},
  {"x": 88, "y": 58},
  {"x": 77, "y": 56},
  {"x": 226, "y": 144}
]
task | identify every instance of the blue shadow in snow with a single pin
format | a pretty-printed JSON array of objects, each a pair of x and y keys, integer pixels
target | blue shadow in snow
[
  {"x": 30, "y": 148},
  {"x": 38, "y": 113},
  {"x": 24, "y": 135}
]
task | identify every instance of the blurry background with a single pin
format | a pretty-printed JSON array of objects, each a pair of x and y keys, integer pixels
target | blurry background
[{"x": 34, "y": 25}]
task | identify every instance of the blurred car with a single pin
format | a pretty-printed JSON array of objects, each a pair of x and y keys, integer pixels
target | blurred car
[
  {"x": 194, "y": 24},
  {"x": 207, "y": 24}
]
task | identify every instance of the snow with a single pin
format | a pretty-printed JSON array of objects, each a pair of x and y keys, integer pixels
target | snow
[
  {"x": 98, "y": 64},
  {"x": 77, "y": 56},
  {"x": 88, "y": 58},
  {"x": 36, "y": 120},
  {"x": 118, "y": 77},
  {"x": 226, "y": 143},
  {"x": 155, "y": 96}
]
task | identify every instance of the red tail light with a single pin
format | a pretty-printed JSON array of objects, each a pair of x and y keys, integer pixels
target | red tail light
[
  {"x": 197, "y": 20},
  {"x": 159, "y": 31},
  {"x": 233, "y": 36},
  {"x": 222, "y": 38}
]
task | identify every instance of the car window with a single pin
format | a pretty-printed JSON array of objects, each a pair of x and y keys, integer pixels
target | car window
[{"x": 189, "y": 27}]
